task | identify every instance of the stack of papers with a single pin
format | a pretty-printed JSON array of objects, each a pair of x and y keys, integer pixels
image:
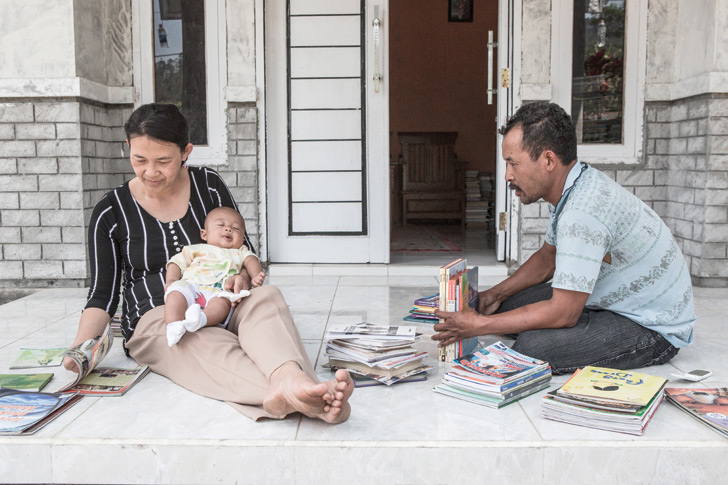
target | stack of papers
[{"x": 386, "y": 354}]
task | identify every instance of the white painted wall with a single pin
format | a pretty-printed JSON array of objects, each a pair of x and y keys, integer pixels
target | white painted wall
[
  {"x": 37, "y": 39},
  {"x": 687, "y": 49},
  {"x": 240, "y": 17}
]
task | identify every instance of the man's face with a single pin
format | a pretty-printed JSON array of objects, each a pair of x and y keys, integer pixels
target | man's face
[{"x": 527, "y": 177}]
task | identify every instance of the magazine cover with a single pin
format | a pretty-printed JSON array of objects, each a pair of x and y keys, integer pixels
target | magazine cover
[
  {"x": 499, "y": 362},
  {"x": 613, "y": 385},
  {"x": 24, "y": 412},
  {"x": 707, "y": 405},
  {"x": 29, "y": 358},
  {"x": 88, "y": 355}
]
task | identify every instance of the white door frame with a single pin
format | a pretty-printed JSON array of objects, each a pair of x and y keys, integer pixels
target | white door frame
[
  {"x": 509, "y": 49},
  {"x": 371, "y": 248}
]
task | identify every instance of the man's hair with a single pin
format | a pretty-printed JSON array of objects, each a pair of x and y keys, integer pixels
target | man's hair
[{"x": 546, "y": 126}]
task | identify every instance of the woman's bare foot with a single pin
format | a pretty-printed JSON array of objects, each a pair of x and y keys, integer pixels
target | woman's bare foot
[{"x": 292, "y": 390}]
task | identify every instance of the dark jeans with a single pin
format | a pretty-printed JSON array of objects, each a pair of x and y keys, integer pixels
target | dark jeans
[{"x": 600, "y": 338}]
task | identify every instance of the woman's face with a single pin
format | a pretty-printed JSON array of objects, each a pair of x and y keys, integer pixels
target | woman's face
[{"x": 157, "y": 164}]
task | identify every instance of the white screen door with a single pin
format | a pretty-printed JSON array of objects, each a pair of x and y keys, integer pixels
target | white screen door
[{"x": 326, "y": 129}]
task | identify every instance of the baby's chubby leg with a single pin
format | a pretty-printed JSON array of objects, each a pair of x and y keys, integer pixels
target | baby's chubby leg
[{"x": 216, "y": 311}]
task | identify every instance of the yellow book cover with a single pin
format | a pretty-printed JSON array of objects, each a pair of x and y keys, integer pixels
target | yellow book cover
[{"x": 623, "y": 386}]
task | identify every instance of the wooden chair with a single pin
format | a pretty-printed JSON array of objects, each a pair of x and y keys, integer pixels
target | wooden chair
[{"x": 433, "y": 185}]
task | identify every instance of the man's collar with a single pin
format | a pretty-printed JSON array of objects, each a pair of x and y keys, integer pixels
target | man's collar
[{"x": 573, "y": 175}]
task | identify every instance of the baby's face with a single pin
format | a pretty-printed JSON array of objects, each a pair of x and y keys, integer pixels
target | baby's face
[{"x": 224, "y": 228}]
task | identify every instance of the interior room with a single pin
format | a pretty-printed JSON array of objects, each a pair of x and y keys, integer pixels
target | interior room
[{"x": 442, "y": 132}]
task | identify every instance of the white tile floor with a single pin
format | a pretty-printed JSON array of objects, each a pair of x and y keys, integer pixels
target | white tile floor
[{"x": 161, "y": 433}]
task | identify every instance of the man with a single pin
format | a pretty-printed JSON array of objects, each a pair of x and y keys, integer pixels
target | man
[{"x": 620, "y": 294}]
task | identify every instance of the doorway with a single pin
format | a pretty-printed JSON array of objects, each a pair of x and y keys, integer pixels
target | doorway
[{"x": 438, "y": 81}]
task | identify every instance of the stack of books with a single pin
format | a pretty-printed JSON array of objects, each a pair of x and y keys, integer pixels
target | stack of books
[
  {"x": 385, "y": 354},
  {"x": 495, "y": 376},
  {"x": 458, "y": 291},
  {"x": 608, "y": 399},
  {"x": 423, "y": 309}
]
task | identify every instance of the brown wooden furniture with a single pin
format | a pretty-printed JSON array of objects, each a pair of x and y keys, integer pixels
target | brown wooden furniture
[{"x": 433, "y": 185}]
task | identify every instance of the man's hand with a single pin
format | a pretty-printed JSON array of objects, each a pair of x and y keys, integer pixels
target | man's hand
[
  {"x": 488, "y": 302},
  {"x": 456, "y": 326}
]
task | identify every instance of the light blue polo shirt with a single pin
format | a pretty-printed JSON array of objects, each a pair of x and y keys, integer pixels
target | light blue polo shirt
[{"x": 647, "y": 280}]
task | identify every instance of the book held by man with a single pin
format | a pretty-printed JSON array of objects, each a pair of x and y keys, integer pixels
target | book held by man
[{"x": 458, "y": 291}]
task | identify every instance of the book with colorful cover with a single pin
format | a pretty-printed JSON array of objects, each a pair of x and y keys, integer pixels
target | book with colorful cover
[
  {"x": 710, "y": 406},
  {"x": 429, "y": 301},
  {"x": 25, "y": 382},
  {"x": 613, "y": 385},
  {"x": 455, "y": 281},
  {"x": 500, "y": 364},
  {"x": 23, "y": 412},
  {"x": 29, "y": 358}
]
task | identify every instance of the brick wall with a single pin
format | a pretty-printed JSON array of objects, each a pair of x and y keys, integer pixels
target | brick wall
[
  {"x": 683, "y": 177},
  {"x": 241, "y": 171}
]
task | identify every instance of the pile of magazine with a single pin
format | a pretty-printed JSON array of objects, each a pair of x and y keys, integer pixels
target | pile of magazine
[
  {"x": 495, "y": 376},
  {"x": 385, "y": 354},
  {"x": 423, "y": 309},
  {"x": 23, "y": 412},
  {"x": 608, "y": 399}
]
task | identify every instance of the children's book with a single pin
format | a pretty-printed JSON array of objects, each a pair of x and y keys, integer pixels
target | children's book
[
  {"x": 25, "y": 382},
  {"x": 613, "y": 386},
  {"x": 23, "y": 412},
  {"x": 500, "y": 364},
  {"x": 710, "y": 406},
  {"x": 29, "y": 358}
]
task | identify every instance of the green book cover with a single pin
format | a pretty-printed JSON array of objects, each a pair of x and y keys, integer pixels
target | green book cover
[
  {"x": 25, "y": 382},
  {"x": 29, "y": 358}
]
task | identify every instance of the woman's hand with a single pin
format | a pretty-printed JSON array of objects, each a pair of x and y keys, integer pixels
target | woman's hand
[
  {"x": 237, "y": 283},
  {"x": 456, "y": 326}
]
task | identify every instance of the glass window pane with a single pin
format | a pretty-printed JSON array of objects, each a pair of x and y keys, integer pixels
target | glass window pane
[
  {"x": 597, "y": 91},
  {"x": 179, "y": 61}
]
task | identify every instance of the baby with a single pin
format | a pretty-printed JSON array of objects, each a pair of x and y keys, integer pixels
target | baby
[{"x": 195, "y": 296}]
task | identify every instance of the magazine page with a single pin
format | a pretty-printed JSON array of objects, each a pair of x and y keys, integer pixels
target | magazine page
[
  {"x": 29, "y": 358},
  {"x": 88, "y": 355},
  {"x": 384, "y": 332}
]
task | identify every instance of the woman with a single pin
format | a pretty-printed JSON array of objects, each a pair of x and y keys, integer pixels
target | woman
[{"x": 258, "y": 364}]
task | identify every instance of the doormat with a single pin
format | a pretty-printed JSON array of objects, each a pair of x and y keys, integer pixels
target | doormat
[{"x": 419, "y": 238}]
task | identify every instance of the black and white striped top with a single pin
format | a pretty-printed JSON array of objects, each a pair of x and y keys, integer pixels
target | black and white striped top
[{"x": 125, "y": 240}]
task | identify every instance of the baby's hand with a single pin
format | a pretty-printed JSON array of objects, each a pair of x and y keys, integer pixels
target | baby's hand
[{"x": 258, "y": 279}]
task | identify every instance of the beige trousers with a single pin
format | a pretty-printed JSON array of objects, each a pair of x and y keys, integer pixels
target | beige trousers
[{"x": 233, "y": 364}]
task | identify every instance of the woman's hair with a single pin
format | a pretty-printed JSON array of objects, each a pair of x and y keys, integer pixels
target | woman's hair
[
  {"x": 163, "y": 122},
  {"x": 546, "y": 126}
]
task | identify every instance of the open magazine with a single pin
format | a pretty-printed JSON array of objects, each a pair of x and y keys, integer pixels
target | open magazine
[{"x": 88, "y": 355}]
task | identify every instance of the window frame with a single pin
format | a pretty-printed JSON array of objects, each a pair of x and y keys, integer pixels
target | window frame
[
  {"x": 630, "y": 150},
  {"x": 215, "y": 152}
]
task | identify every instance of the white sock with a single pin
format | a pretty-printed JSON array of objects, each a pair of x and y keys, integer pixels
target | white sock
[
  {"x": 175, "y": 331},
  {"x": 195, "y": 319}
]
